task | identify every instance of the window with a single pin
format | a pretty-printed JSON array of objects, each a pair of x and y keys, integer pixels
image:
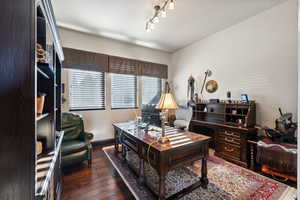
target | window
[
  {"x": 87, "y": 90},
  {"x": 123, "y": 91},
  {"x": 151, "y": 90}
]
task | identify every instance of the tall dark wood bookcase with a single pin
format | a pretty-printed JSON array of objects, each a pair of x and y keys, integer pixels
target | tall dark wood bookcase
[{"x": 22, "y": 78}]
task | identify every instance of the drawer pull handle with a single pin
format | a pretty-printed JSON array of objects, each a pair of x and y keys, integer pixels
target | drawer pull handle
[
  {"x": 229, "y": 134},
  {"x": 229, "y": 149},
  {"x": 229, "y": 140}
]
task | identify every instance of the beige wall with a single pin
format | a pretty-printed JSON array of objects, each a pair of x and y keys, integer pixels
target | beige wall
[
  {"x": 257, "y": 56},
  {"x": 100, "y": 122}
]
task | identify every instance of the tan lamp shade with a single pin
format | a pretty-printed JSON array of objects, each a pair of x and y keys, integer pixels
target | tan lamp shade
[{"x": 167, "y": 102}]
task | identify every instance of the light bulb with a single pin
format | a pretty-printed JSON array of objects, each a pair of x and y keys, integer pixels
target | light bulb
[
  {"x": 163, "y": 13},
  {"x": 172, "y": 5},
  {"x": 151, "y": 25},
  {"x": 156, "y": 19}
]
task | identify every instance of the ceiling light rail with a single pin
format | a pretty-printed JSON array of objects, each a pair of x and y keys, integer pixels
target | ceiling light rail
[{"x": 159, "y": 11}]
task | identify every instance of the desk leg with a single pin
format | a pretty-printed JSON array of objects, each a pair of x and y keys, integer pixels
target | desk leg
[
  {"x": 141, "y": 171},
  {"x": 116, "y": 142},
  {"x": 204, "y": 179},
  {"x": 162, "y": 180},
  {"x": 124, "y": 152}
]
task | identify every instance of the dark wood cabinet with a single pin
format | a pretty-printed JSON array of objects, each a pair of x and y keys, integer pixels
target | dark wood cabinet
[
  {"x": 24, "y": 24},
  {"x": 231, "y": 144},
  {"x": 230, "y": 126}
]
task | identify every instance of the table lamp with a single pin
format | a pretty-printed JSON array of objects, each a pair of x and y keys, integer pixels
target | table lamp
[{"x": 165, "y": 104}]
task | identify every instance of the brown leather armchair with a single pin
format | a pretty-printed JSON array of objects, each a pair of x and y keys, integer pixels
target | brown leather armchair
[{"x": 76, "y": 145}]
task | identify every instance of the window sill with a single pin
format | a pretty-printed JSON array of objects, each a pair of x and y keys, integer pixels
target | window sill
[
  {"x": 130, "y": 108},
  {"x": 91, "y": 109}
]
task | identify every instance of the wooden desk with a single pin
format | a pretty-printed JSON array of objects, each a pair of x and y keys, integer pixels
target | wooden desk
[
  {"x": 185, "y": 147},
  {"x": 220, "y": 121}
]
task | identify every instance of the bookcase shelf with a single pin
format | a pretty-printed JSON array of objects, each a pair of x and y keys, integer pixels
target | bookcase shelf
[
  {"x": 216, "y": 113},
  {"x": 42, "y": 73},
  {"x": 223, "y": 113},
  {"x": 41, "y": 116},
  {"x": 46, "y": 167},
  {"x": 48, "y": 180},
  {"x": 235, "y": 114}
]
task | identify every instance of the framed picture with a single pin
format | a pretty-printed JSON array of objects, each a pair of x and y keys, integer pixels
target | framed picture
[{"x": 244, "y": 98}]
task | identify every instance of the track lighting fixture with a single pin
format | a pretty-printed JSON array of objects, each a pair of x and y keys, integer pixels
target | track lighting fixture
[
  {"x": 159, "y": 11},
  {"x": 172, "y": 5}
]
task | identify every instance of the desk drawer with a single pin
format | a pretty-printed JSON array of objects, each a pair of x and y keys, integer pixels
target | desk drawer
[
  {"x": 229, "y": 150},
  {"x": 130, "y": 143},
  {"x": 230, "y": 140},
  {"x": 229, "y": 134}
]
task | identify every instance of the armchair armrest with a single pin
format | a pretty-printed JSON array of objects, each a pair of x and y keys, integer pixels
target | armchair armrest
[{"x": 87, "y": 137}]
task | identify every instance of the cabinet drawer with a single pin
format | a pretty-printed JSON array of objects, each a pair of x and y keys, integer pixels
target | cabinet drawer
[
  {"x": 229, "y": 150},
  {"x": 232, "y": 134},
  {"x": 230, "y": 139}
]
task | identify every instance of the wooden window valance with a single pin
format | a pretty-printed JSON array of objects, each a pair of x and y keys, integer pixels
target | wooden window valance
[
  {"x": 154, "y": 70},
  {"x": 85, "y": 60},
  {"x": 120, "y": 65},
  {"x": 136, "y": 67}
]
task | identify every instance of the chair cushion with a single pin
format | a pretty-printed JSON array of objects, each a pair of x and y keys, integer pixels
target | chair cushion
[
  {"x": 72, "y": 146},
  {"x": 72, "y": 125},
  {"x": 71, "y": 133},
  {"x": 71, "y": 119},
  {"x": 181, "y": 124},
  {"x": 184, "y": 113},
  {"x": 74, "y": 158}
]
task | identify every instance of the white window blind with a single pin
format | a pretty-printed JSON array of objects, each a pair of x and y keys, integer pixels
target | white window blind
[
  {"x": 123, "y": 91},
  {"x": 87, "y": 90},
  {"x": 151, "y": 90}
]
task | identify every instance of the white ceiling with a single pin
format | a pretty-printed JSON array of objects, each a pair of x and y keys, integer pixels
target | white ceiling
[{"x": 125, "y": 20}]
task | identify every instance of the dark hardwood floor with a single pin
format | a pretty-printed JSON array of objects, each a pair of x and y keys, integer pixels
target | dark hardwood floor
[{"x": 101, "y": 181}]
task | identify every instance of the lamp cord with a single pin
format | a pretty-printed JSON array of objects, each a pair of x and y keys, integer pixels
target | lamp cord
[
  {"x": 149, "y": 146},
  {"x": 148, "y": 150}
]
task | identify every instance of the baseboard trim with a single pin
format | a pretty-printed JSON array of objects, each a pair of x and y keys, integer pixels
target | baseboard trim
[{"x": 102, "y": 142}]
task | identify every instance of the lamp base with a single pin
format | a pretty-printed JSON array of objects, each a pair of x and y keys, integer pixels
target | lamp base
[{"x": 163, "y": 140}]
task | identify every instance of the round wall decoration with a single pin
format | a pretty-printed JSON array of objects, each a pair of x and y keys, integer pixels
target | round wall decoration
[{"x": 211, "y": 86}]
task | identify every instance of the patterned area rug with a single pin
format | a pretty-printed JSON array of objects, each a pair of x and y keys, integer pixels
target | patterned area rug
[{"x": 226, "y": 181}]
